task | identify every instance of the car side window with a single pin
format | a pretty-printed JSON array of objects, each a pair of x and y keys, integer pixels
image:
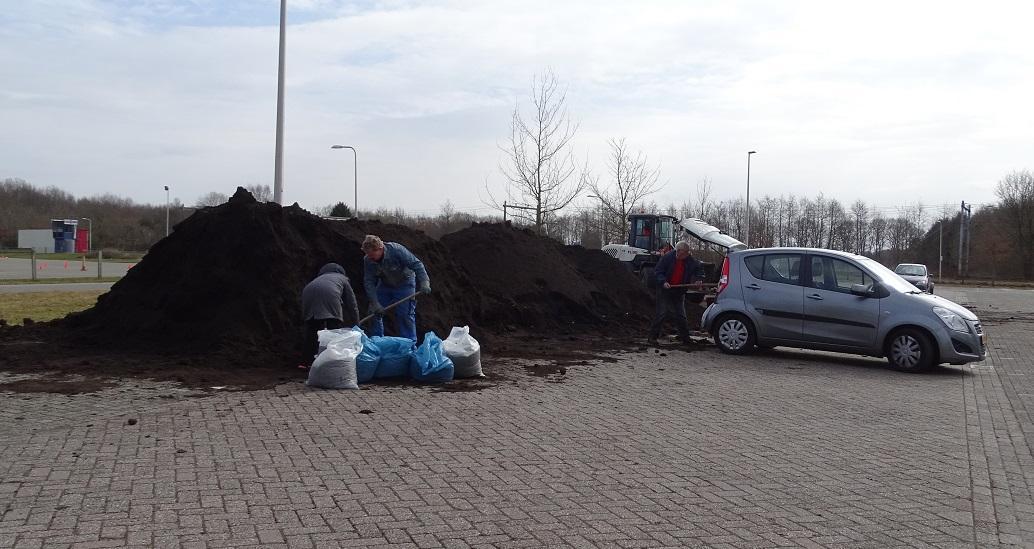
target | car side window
[
  {"x": 755, "y": 264},
  {"x": 782, "y": 268},
  {"x": 818, "y": 273},
  {"x": 836, "y": 274}
]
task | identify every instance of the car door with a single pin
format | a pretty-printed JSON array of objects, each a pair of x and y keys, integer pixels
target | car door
[
  {"x": 773, "y": 294},
  {"x": 832, "y": 314}
]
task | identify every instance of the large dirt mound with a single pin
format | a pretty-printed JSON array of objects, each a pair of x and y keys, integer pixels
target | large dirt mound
[
  {"x": 532, "y": 282},
  {"x": 229, "y": 278},
  {"x": 226, "y": 283}
]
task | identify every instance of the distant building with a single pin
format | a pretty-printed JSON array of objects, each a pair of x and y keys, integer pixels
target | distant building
[{"x": 63, "y": 236}]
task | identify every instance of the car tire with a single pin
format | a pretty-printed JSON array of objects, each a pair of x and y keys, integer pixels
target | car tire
[
  {"x": 734, "y": 334},
  {"x": 910, "y": 350}
]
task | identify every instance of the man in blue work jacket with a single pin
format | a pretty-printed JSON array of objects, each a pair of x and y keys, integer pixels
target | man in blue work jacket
[{"x": 390, "y": 273}]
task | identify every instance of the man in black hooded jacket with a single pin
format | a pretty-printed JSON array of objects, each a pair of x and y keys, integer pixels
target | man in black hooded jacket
[{"x": 325, "y": 302}]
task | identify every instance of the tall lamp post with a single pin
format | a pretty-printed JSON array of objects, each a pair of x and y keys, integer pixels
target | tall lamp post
[
  {"x": 355, "y": 177},
  {"x": 166, "y": 210},
  {"x": 748, "y": 197},
  {"x": 89, "y": 233},
  {"x": 278, "y": 161}
]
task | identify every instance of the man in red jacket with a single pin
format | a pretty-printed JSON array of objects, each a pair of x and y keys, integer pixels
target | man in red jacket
[{"x": 676, "y": 268}]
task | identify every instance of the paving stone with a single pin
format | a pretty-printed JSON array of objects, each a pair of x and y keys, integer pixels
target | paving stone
[{"x": 781, "y": 449}]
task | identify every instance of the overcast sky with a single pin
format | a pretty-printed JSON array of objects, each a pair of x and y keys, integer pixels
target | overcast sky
[{"x": 890, "y": 102}]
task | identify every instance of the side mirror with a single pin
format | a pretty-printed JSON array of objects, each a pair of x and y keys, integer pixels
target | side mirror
[{"x": 862, "y": 290}]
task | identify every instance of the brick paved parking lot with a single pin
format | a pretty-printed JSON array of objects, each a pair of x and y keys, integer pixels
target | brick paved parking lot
[{"x": 783, "y": 449}]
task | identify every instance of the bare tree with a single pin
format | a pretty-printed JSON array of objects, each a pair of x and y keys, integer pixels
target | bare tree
[
  {"x": 1016, "y": 191},
  {"x": 704, "y": 198},
  {"x": 211, "y": 199},
  {"x": 540, "y": 168},
  {"x": 631, "y": 180},
  {"x": 262, "y": 193}
]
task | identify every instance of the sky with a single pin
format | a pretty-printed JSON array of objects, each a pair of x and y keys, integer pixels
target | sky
[{"x": 889, "y": 102}]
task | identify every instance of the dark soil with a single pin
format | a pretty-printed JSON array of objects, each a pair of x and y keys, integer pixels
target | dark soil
[{"x": 217, "y": 302}]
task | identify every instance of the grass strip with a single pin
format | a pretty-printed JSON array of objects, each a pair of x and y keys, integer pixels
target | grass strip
[{"x": 43, "y": 306}]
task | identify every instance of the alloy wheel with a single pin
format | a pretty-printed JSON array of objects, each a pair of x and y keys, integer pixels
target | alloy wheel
[
  {"x": 905, "y": 351},
  {"x": 733, "y": 334}
]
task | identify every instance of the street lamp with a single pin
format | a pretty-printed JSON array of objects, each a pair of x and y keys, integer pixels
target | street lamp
[
  {"x": 355, "y": 177},
  {"x": 166, "y": 210},
  {"x": 747, "y": 239},
  {"x": 89, "y": 233}
]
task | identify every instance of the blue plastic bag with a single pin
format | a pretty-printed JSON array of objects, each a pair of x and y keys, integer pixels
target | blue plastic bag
[
  {"x": 395, "y": 353},
  {"x": 429, "y": 363},
  {"x": 369, "y": 359}
]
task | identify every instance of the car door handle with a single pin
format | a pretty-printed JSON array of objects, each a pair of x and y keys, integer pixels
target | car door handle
[
  {"x": 753, "y": 286},
  {"x": 815, "y": 296}
]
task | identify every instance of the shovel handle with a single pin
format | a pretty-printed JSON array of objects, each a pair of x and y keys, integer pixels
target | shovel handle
[{"x": 390, "y": 307}]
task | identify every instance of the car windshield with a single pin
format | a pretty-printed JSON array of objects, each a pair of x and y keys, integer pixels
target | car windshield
[
  {"x": 887, "y": 276},
  {"x": 911, "y": 270}
]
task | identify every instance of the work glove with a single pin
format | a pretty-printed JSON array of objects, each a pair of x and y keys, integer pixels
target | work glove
[
  {"x": 425, "y": 287},
  {"x": 376, "y": 309}
]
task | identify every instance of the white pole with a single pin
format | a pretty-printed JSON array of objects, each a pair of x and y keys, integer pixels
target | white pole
[
  {"x": 278, "y": 163},
  {"x": 747, "y": 239},
  {"x": 355, "y": 182}
]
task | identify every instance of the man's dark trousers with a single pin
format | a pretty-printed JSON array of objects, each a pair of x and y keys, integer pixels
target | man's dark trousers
[
  {"x": 311, "y": 327},
  {"x": 670, "y": 303}
]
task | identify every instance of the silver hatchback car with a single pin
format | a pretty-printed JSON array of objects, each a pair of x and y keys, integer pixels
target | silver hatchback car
[{"x": 836, "y": 301}]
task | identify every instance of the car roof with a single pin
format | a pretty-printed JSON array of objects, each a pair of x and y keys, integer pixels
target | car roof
[
  {"x": 804, "y": 250},
  {"x": 910, "y": 265}
]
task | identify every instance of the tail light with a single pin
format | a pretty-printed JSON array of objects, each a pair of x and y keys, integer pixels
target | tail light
[{"x": 723, "y": 282}]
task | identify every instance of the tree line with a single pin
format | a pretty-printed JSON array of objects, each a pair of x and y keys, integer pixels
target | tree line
[
  {"x": 118, "y": 223},
  {"x": 999, "y": 245}
]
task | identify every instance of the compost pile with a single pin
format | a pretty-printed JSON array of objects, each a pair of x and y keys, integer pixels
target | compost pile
[
  {"x": 537, "y": 284},
  {"x": 226, "y": 284}
]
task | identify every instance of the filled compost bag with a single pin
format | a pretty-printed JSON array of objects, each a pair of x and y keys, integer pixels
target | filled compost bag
[
  {"x": 395, "y": 353},
  {"x": 428, "y": 363},
  {"x": 465, "y": 353},
  {"x": 334, "y": 367},
  {"x": 369, "y": 359},
  {"x": 326, "y": 336}
]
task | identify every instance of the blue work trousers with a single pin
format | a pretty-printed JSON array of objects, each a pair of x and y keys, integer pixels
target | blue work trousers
[{"x": 405, "y": 314}]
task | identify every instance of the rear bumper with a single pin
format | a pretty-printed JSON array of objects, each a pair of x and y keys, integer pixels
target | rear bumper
[{"x": 710, "y": 314}]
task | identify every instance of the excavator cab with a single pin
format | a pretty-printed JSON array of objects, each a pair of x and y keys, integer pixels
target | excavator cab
[{"x": 653, "y": 233}]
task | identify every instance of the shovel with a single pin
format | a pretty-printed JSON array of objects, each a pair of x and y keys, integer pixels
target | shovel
[{"x": 390, "y": 307}]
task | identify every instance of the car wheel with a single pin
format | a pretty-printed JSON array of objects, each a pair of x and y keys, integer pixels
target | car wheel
[
  {"x": 734, "y": 334},
  {"x": 910, "y": 350}
]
